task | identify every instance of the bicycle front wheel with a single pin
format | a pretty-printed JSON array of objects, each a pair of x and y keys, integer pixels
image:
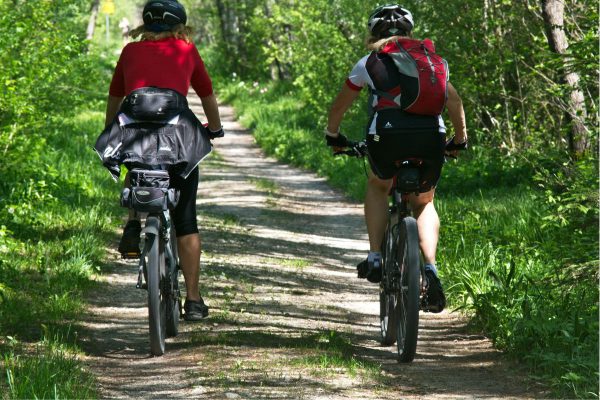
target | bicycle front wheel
[
  {"x": 173, "y": 295},
  {"x": 408, "y": 302},
  {"x": 388, "y": 298},
  {"x": 156, "y": 275}
]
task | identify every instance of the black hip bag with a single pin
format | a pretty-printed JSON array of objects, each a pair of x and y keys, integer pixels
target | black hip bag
[{"x": 154, "y": 104}]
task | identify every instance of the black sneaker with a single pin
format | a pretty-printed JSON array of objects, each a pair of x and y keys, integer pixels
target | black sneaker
[
  {"x": 129, "y": 246},
  {"x": 434, "y": 300},
  {"x": 370, "y": 268},
  {"x": 374, "y": 262},
  {"x": 363, "y": 268},
  {"x": 195, "y": 310}
]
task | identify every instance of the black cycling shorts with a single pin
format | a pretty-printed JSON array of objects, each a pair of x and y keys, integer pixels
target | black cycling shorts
[
  {"x": 393, "y": 146},
  {"x": 184, "y": 215}
]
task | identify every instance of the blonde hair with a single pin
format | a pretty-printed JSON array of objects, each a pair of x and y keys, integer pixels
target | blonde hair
[
  {"x": 377, "y": 44},
  {"x": 178, "y": 31}
]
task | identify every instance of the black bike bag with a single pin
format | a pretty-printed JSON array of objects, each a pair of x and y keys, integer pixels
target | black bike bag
[
  {"x": 408, "y": 179},
  {"x": 149, "y": 192},
  {"x": 154, "y": 104}
]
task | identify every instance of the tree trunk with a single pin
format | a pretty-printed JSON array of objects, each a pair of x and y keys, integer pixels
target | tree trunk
[
  {"x": 553, "y": 12},
  {"x": 222, "y": 12},
  {"x": 92, "y": 21}
]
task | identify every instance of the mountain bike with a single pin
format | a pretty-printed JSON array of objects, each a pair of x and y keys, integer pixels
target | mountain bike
[
  {"x": 403, "y": 284},
  {"x": 158, "y": 271},
  {"x": 403, "y": 277}
]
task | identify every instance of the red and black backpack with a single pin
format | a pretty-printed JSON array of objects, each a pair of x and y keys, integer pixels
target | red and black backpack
[{"x": 415, "y": 80}]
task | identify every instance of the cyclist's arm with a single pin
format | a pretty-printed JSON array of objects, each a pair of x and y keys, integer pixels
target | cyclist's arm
[
  {"x": 457, "y": 115},
  {"x": 112, "y": 107},
  {"x": 211, "y": 109},
  {"x": 340, "y": 105}
]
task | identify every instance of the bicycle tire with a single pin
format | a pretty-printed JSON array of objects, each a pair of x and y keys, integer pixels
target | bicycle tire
[
  {"x": 408, "y": 302},
  {"x": 156, "y": 273},
  {"x": 388, "y": 299},
  {"x": 173, "y": 297}
]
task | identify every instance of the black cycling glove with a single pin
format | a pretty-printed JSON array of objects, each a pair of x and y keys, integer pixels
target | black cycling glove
[
  {"x": 216, "y": 134},
  {"x": 451, "y": 146},
  {"x": 338, "y": 141}
]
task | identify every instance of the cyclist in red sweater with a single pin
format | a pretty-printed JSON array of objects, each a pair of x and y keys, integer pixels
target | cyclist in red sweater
[{"x": 165, "y": 58}]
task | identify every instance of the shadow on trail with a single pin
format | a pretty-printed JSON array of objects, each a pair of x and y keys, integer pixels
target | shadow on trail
[{"x": 288, "y": 317}]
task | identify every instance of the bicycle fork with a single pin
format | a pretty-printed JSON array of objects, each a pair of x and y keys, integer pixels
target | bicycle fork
[{"x": 171, "y": 288}]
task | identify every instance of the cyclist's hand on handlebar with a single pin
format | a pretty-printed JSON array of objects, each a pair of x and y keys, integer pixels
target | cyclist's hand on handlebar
[
  {"x": 213, "y": 134},
  {"x": 453, "y": 147},
  {"x": 338, "y": 143},
  {"x": 216, "y": 134}
]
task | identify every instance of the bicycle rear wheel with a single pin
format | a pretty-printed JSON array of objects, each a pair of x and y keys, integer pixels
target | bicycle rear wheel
[
  {"x": 388, "y": 310},
  {"x": 156, "y": 275},
  {"x": 408, "y": 302}
]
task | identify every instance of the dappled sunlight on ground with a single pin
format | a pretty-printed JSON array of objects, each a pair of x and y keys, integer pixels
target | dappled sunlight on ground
[{"x": 288, "y": 318}]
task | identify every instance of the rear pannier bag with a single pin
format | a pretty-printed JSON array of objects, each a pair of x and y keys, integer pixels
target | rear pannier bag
[{"x": 149, "y": 191}]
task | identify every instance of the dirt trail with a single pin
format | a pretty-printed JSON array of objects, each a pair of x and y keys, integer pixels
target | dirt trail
[{"x": 289, "y": 318}]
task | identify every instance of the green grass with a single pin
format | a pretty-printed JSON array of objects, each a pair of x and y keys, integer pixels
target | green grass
[
  {"x": 49, "y": 370},
  {"x": 58, "y": 211},
  {"x": 267, "y": 185},
  {"x": 297, "y": 263},
  {"x": 519, "y": 234},
  {"x": 321, "y": 353},
  {"x": 57, "y": 224}
]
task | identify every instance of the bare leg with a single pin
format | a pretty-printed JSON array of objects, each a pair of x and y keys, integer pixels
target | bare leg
[
  {"x": 428, "y": 223},
  {"x": 189, "y": 247},
  {"x": 376, "y": 209}
]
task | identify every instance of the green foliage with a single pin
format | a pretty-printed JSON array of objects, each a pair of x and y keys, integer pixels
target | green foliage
[
  {"x": 500, "y": 61},
  {"x": 50, "y": 370},
  {"x": 56, "y": 206}
]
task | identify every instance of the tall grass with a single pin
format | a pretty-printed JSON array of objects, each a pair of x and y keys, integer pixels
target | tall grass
[
  {"x": 58, "y": 221},
  {"x": 510, "y": 256},
  {"x": 49, "y": 370}
]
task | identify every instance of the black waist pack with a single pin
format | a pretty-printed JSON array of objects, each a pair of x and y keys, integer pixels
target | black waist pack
[
  {"x": 149, "y": 192},
  {"x": 153, "y": 104}
]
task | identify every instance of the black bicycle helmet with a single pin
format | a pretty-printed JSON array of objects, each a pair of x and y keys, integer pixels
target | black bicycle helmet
[
  {"x": 390, "y": 20},
  {"x": 162, "y": 15}
]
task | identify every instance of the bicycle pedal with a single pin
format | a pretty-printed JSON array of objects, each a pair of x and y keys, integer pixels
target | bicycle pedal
[
  {"x": 130, "y": 256},
  {"x": 143, "y": 286}
]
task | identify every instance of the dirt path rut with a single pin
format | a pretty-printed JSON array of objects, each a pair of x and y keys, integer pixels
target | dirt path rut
[{"x": 288, "y": 318}]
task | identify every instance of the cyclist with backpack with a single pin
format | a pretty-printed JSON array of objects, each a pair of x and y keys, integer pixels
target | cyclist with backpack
[
  {"x": 409, "y": 89},
  {"x": 150, "y": 82}
]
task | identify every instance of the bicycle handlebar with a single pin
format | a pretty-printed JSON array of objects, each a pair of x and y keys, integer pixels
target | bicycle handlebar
[
  {"x": 355, "y": 149},
  {"x": 359, "y": 149}
]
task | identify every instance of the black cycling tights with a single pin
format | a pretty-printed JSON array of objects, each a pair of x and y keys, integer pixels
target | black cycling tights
[
  {"x": 184, "y": 215},
  {"x": 428, "y": 146}
]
